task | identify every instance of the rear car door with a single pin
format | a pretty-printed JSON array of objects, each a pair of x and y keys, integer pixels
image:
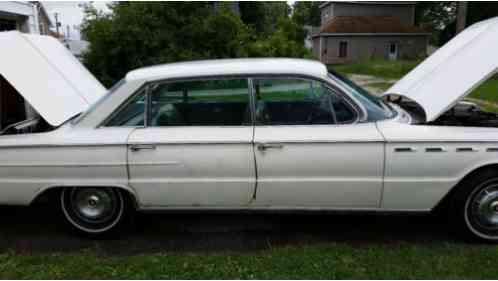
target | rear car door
[
  {"x": 194, "y": 148},
  {"x": 311, "y": 151}
]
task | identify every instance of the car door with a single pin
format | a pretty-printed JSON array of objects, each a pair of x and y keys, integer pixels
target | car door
[
  {"x": 311, "y": 151},
  {"x": 195, "y": 147}
]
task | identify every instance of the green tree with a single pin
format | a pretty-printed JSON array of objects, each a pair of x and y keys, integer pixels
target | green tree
[
  {"x": 263, "y": 17},
  {"x": 307, "y": 13},
  {"x": 479, "y": 10},
  {"x": 137, "y": 34},
  {"x": 436, "y": 17},
  {"x": 286, "y": 41}
]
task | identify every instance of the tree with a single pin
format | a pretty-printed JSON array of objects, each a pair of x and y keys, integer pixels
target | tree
[
  {"x": 263, "y": 16},
  {"x": 307, "y": 13},
  {"x": 286, "y": 41},
  {"x": 478, "y": 11},
  {"x": 138, "y": 34},
  {"x": 436, "y": 17}
]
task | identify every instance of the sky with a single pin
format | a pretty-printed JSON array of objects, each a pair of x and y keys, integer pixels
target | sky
[{"x": 70, "y": 13}]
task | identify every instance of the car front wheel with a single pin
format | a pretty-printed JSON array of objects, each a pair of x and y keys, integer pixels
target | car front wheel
[
  {"x": 476, "y": 204},
  {"x": 94, "y": 211}
]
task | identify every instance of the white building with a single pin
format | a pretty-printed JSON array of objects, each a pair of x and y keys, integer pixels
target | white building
[{"x": 25, "y": 16}]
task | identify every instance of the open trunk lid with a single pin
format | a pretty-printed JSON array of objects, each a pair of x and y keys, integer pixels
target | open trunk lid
[
  {"x": 453, "y": 71},
  {"x": 47, "y": 75}
]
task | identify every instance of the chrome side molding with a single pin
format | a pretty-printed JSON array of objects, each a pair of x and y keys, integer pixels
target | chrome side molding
[
  {"x": 404, "y": 149},
  {"x": 435, "y": 149},
  {"x": 466, "y": 149}
]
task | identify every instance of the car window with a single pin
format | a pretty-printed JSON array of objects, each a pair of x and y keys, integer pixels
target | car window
[
  {"x": 299, "y": 102},
  {"x": 132, "y": 114},
  {"x": 375, "y": 107},
  {"x": 221, "y": 102}
]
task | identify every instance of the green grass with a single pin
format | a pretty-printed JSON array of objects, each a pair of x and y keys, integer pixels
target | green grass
[
  {"x": 487, "y": 91},
  {"x": 379, "y": 68},
  {"x": 331, "y": 261},
  {"x": 380, "y": 85}
]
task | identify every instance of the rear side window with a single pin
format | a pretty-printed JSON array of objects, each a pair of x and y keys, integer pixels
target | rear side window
[
  {"x": 223, "y": 102},
  {"x": 299, "y": 102}
]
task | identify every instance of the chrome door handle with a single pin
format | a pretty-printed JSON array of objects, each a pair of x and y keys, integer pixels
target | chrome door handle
[
  {"x": 265, "y": 146},
  {"x": 138, "y": 147}
]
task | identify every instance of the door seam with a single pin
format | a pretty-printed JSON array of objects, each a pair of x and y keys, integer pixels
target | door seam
[{"x": 384, "y": 160}]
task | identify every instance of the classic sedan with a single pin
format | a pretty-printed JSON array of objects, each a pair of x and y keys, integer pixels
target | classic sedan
[{"x": 252, "y": 134}]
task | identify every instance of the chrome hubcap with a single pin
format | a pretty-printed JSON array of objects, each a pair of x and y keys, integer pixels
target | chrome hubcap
[
  {"x": 485, "y": 207},
  {"x": 93, "y": 204}
]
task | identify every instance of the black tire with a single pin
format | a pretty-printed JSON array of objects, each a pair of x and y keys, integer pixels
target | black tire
[
  {"x": 474, "y": 207},
  {"x": 96, "y": 212}
]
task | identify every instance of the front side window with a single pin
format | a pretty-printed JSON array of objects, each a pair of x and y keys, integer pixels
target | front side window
[
  {"x": 223, "y": 102},
  {"x": 132, "y": 114},
  {"x": 299, "y": 102},
  {"x": 376, "y": 108}
]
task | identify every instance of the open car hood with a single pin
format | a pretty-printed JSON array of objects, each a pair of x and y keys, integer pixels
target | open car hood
[
  {"x": 47, "y": 75},
  {"x": 453, "y": 71}
]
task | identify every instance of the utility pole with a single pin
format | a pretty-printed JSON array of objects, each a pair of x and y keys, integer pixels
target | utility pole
[
  {"x": 461, "y": 16},
  {"x": 57, "y": 23}
]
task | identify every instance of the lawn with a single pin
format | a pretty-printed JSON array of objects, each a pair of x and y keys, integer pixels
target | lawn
[
  {"x": 392, "y": 70},
  {"x": 328, "y": 261},
  {"x": 379, "y": 68}
]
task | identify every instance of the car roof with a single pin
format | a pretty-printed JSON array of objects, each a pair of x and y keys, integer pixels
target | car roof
[{"x": 222, "y": 67}]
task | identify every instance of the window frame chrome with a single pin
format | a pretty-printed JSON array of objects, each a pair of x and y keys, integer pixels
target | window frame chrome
[{"x": 359, "y": 111}]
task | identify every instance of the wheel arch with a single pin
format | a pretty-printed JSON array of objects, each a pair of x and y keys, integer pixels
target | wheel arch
[
  {"x": 47, "y": 191},
  {"x": 443, "y": 203}
]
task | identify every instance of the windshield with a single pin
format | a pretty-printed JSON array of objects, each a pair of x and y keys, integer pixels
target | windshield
[
  {"x": 81, "y": 116},
  {"x": 376, "y": 108}
]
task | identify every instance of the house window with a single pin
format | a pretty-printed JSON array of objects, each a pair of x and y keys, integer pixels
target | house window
[{"x": 343, "y": 49}]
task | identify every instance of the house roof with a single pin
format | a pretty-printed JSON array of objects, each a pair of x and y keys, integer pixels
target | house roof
[{"x": 368, "y": 24}]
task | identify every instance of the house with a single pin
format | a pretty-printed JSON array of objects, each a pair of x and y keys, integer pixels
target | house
[
  {"x": 26, "y": 17},
  {"x": 353, "y": 30}
]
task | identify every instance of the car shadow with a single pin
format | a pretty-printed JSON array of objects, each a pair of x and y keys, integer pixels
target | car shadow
[{"x": 40, "y": 229}]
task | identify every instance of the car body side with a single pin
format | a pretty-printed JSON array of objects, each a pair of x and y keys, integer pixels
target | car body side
[{"x": 403, "y": 167}]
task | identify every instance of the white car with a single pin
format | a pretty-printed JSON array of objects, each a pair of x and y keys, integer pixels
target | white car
[{"x": 252, "y": 134}]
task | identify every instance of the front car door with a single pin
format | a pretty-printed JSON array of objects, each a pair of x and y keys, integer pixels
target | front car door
[
  {"x": 194, "y": 149},
  {"x": 311, "y": 151}
]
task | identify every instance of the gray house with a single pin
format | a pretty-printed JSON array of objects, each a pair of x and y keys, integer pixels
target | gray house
[{"x": 354, "y": 30}]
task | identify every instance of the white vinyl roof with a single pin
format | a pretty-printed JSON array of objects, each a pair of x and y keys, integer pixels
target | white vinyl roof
[
  {"x": 230, "y": 67},
  {"x": 47, "y": 75},
  {"x": 453, "y": 71}
]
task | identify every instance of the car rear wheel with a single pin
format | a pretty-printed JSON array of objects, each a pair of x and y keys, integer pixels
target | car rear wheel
[
  {"x": 94, "y": 211},
  {"x": 475, "y": 206}
]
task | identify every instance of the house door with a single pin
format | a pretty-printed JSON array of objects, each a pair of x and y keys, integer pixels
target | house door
[{"x": 393, "y": 51}]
